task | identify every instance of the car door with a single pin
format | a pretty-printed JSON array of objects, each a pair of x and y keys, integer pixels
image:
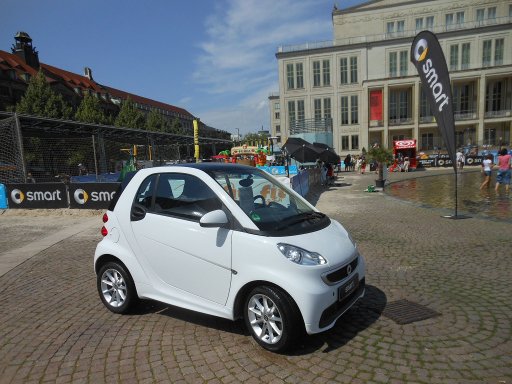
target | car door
[{"x": 186, "y": 260}]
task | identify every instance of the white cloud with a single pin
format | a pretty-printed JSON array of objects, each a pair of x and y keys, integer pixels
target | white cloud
[{"x": 237, "y": 62}]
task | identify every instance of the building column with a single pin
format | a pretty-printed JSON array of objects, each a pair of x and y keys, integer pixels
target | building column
[{"x": 481, "y": 110}]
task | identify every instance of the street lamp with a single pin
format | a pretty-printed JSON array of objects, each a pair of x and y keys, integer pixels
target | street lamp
[{"x": 237, "y": 134}]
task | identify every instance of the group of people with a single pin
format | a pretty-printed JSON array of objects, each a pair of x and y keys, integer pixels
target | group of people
[
  {"x": 503, "y": 173},
  {"x": 355, "y": 163},
  {"x": 326, "y": 173}
]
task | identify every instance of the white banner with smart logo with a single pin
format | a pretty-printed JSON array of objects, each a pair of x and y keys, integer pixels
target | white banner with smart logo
[{"x": 59, "y": 195}]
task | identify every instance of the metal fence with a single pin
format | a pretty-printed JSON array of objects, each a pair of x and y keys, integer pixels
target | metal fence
[{"x": 46, "y": 150}]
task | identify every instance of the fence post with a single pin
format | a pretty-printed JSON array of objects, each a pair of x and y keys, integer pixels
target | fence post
[
  {"x": 20, "y": 146},
  {"x": 103, "y": 157}
]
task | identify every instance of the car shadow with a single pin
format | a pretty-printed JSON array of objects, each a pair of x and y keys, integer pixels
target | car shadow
[
  {"x": 360, "y": 317},
  {"x": 149, "y": 306}
]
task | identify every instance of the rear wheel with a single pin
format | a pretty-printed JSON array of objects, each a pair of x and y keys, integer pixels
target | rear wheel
[
  {"x": 272, "y": 318},
  {"x": 116, "y": 287}
]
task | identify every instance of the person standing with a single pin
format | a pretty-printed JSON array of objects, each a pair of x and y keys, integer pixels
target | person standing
[
  {"x": 347, "y": 162},
  {"x": 503, "y": 175},
  {"x": 406, "y": 164},
  {"x": 460, "y": 160},
  {"x": 487, "y": 170}
]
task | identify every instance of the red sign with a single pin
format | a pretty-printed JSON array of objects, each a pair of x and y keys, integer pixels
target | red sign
[
  {"x": 405, "y": 144},
  {"x": 376, "y": 105}
]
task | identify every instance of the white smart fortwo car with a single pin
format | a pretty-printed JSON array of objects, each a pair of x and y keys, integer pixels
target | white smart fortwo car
[{"x": 230, "y": 241}]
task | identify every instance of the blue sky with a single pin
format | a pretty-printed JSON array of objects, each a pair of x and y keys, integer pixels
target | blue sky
[{"x": 214, "y": 58}]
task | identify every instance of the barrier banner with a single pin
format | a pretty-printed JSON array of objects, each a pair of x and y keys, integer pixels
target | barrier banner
[
  {"x": 428, "y": 57},
  {"x": 91, "y": 195},
  {"x": 43, "y": 195}
]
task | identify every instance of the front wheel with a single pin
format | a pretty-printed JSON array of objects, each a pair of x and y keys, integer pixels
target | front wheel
[
  {"x": 272, "y": 318},
  {"x": 116, "y": 287}
]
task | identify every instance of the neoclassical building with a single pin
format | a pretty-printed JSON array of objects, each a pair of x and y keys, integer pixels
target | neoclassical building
[{"x": 361, "y": 88}]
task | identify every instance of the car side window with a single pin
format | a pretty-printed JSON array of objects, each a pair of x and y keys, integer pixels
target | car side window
[
  {"x": 184, "y": 196},
  {"x": 145, "y": 193}
]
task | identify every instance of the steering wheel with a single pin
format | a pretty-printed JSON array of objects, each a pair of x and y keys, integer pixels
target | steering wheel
[{"x": 259, "y": 197}]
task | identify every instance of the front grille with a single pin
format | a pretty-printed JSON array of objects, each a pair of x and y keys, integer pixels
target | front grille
[{"x": 341, "y": 273}]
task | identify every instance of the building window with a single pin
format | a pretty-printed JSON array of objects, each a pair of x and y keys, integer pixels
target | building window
[
  {"x": 465, "y": 56},
  {"x": 400, "y": 26},
  {"x": 430, "y": 22},
  {"x": 399, "y": 106},
  {"x": 449, "y": 19},
  {"x": 491, "y": 13},
  {"x": 462, "y": 99},
  {"x": 300, "y": 75},
  {"x": 427, "y": 141},
  {"x": 326, "y": 67},
  {"x": 300, "y": 110},
  {"x": 486, "y": 53},
  {"x": 493, "y": 96},
  {"x": 344, "y": 143},
  {"x": 480, "y": 15},
  {"x": 278, "y": 129},
  {"x": 404, "y": 62},
  {"x": 353, "y": 70},
  {"x": 344, "y": 70},
  {"x": 392, "y": 64},
  {"x": 344, "y": 111},
  {"x": 354, "y": 110},
  {"x": 317, "y": 103},
  {"x": 349, "y": 111},
  {"x": 327, "y": 108},
  {"x": 290, "y": 76},
  {"x": 316, "y": 73},
  {"x": 454, "y": 57},
  {"x": 419, "y": 24},
  {"x": 460, "y": 18},
  {"x": 295, "y": 76},
  {"x": 498, "y": 51},
  {"x": 277, "y": 106},
  {"x": 355, "y": 141},
  {"x": 425, "y": 110},
  {"x": 390, "y": 27},
  {"x": 277, "y": 116},
  {"x": 291, "y": 112},
  {"x": 321, "y": 73}
]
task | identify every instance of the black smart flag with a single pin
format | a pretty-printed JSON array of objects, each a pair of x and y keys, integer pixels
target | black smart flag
[{"x": 428, "y": 57}]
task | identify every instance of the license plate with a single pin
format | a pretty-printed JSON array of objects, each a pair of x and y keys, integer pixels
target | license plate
[{"x": 348, "y": 288}]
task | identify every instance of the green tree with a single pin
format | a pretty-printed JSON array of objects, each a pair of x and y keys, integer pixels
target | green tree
[
  {"x": 89, "y": 111},
  {"x": 256, "y": 139},
  {"x": 156, "y": 122},
  {"x": 39, "y": 99},
  {"x": 129, "y": 116},
  {"x": 176, "y": 127}
]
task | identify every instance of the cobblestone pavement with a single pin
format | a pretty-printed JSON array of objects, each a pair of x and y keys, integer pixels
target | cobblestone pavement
[{"x": 53, "y": 327}]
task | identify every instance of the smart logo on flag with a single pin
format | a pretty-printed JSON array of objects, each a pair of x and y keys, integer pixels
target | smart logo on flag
[{"x": 428, "y": 57}]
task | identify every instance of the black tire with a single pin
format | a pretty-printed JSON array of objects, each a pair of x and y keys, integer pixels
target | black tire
[
  {"x": 116, "y": 288},
  {"x": 272, "y": 318}
]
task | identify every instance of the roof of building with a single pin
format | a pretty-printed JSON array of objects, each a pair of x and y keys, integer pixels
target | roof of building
[{"x": 72, "y": 80}]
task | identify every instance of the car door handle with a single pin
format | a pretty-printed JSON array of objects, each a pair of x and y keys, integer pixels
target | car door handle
[{"x": 138, "y": 212}]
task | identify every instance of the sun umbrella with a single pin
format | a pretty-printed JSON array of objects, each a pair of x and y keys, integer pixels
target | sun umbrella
[
  {"x": 327, "y": 154},
  {"x": 301, "y": 150}
]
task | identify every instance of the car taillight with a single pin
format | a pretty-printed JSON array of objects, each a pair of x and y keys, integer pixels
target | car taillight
[
  {"x": 105, "y": 217},
  {"x": 104, "y": 231}
]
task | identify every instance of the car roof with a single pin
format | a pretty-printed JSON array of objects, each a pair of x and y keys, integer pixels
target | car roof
[{"x": 217, "y": 167}]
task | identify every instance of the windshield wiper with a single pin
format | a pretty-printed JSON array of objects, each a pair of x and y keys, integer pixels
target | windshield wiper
[{"x": 305, "y": 216}]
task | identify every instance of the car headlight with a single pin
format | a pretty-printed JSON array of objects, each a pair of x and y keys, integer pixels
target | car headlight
[{"x": 301, "y": 256}]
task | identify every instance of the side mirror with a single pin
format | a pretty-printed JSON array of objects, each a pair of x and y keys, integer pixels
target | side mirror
[{"x": 214, "y": 219}]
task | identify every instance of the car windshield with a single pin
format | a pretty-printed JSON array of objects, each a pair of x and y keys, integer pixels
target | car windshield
[{"x": 269, "y": 204}]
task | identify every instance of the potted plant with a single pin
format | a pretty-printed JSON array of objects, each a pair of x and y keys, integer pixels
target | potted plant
[{"x": 383, "y": 157}]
